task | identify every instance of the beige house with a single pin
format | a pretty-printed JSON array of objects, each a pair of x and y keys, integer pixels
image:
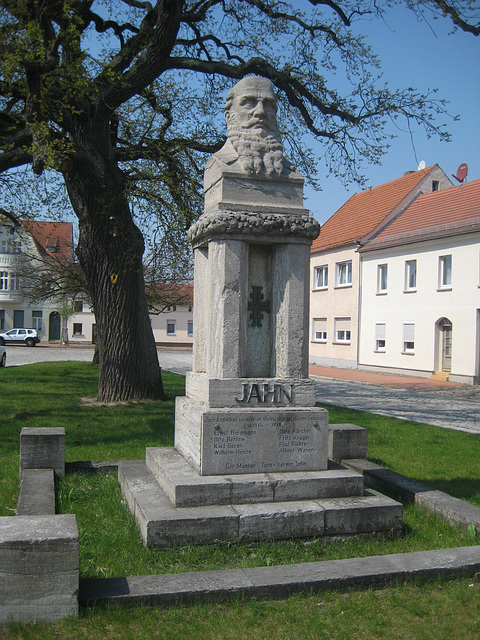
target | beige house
[
  {"x": 335, "y": 262},
  {"x": 420, "y": 294}
]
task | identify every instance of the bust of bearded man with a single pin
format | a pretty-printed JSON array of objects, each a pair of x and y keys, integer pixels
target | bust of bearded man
[{"x": 254, "y": 145}]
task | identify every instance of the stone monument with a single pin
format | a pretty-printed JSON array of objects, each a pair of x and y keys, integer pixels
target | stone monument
[{"x": 251, "y": 449}]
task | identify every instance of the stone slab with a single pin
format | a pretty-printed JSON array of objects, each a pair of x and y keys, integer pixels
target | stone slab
[
  {"x": 281, "y": 581},
  {"x": 42, "y": 448},
  {"x": 185, "y": 487},
  {"x": 250, "y": 392},
  {"x": 39, "y": 568},
  {"x": 371, "y": 512},
  {"x": 279, "y": 520},
  {"x": 161, "y": 524},
  {"x": 37, "y": 493},
  {"x": 347, "y": 441},
  {"x": 225, "y": 441},
  {"x": 458, "y": 512}
]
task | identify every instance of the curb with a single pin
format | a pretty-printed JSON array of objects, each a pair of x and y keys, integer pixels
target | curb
[{"x": 282, "y": 581}]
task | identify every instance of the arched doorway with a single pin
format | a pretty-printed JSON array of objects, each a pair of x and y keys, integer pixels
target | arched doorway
[
  {"x": 54, "y": 326},
  {"x": 445, "y": 335}
]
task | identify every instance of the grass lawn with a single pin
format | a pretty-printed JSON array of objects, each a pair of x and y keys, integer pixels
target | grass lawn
[{"x": 57, "y": 394}]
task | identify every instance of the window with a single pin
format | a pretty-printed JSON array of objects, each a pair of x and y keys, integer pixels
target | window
[
  {"x": 3, "y": 280},
  {"x": 174, "y": 308},
  {"x": 445, "y": 272},
  {"x": 408, "y": 337},
  {"x": 343, "y": 330},
  {"x": 435, "y": 185},
  {"x": 343, "y": 274},
  {"x": 380, "y": 336},
  {"x": 2, "y": 320},
  {"x": 14, "y": 282},
  {"x": 382, "y": 278},
  {"x": 190, "y": 328},
  {"x": 78, "y": 306},
  {"x": 77, "y": 329},
  {"x": 37, "y": 321},
  {"x": 410, "y": 275},
  {"x": 320, "y": 277},
  {"x": 319, "y": 330},
  {"x": 170, "y": 327}
]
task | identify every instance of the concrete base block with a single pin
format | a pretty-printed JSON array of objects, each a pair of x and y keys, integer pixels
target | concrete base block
[
  {"x": 161, "y": 524},
  {"x": 346, "y": 441},
  {"x": 234, "y": 441},
  {"x": 43, "y": 448},
  {"x": 39, "y": 574},
  {"x": 185, "y": 487},
  {"x": 37, "y": 493}
]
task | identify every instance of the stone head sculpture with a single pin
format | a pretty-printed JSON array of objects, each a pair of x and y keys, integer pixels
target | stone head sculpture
[{"x": 251, "y": 116}]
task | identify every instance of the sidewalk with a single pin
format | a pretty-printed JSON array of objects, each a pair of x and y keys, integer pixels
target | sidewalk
[{"x": 386, "y": 380}]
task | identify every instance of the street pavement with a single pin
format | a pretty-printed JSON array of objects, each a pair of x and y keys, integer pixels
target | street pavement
[{"x": 444, "y": 405}]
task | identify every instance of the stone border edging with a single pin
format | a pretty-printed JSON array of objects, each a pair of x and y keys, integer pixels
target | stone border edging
[
  {"x": 458, "y": 512},
  {"x": 281, "y": 581}
]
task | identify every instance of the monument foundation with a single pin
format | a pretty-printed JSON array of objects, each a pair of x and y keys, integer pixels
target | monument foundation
[{"x": 251, "y": 449}]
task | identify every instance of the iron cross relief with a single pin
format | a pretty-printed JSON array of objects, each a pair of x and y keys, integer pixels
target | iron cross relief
[{"x": 257, "y": 306}]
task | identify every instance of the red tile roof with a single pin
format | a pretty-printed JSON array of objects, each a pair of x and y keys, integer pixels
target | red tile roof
[
  {"x": 454, "y": 210},
  {"x": 364, "y": 211},
  {"x": 52, "y": 237}
]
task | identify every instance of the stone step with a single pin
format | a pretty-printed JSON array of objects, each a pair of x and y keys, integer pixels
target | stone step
[
  {"x": 442, "y": 376},
  {"x": 161, "y": 524},
  {"x": 185, "y": 487}
]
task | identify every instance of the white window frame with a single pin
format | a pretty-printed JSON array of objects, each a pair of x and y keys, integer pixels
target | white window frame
[
  {"x": 380, "y": 337},
  {"x": 320, "y": 277},
  {"x": 343, "y": 330},
  {"x": 37, "y": 320},
  {"x": 4, "y": 279},
  {"x": 190, "y": 328},
  {"x": 408, "y": 338},
  {"x": 14, "y": 282},
  {"x": 410, "y": 275},
  {"x": 319, "y": 330},
  {"x": 343, "y": 273},
  {"x": 382, "y": 278},
  {"x": 445, "y": 272},
  {"x": 169, "y": 324}
]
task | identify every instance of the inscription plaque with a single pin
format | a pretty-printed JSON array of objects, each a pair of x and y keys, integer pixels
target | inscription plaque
[{"x": 264, "y": 441}]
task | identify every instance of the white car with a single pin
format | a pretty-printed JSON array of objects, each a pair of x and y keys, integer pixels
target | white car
[
  {"x": 25, "y": 336},
  {"x": 3, "y": 357}
]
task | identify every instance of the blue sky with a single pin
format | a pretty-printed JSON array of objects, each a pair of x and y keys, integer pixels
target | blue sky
[{"x": 423, "y": 56}]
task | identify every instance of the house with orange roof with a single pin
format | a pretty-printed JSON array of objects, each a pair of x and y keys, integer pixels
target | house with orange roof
[
  {"x": 335, "y": 262},
  {"x": 420, "y": 293}
]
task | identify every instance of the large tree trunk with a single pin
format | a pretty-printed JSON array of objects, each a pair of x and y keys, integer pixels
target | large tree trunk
[{"x": 110, "y": 250}]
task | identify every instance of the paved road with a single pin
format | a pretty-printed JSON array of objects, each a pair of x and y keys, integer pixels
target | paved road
[{"x": 457, "y": 408}]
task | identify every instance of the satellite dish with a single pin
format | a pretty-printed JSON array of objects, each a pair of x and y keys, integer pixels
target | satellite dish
[
  {"x": 421, "y": 165},
  {"x": 461, "y": 172}
]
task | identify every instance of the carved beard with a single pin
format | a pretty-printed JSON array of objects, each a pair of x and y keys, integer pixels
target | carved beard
[{"x": 257, "y": 151}]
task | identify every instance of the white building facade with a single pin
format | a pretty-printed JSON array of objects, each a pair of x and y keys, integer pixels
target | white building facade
[{"x": 420, "y": 294}]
